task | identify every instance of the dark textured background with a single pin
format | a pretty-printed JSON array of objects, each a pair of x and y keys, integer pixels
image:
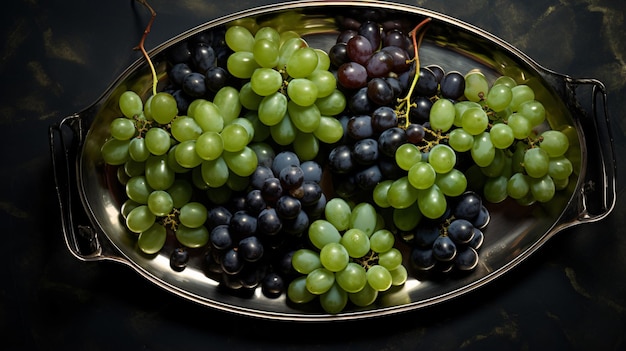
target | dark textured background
[{"x": 57, "y": 57}]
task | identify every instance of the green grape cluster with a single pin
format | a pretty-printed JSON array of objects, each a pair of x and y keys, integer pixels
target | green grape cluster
[
  {"x": 352, "y": 259},
  {"x": 517, "y": 155},
  {"x": 288, "y": 87},
  {"x": 156, "y": 149}
]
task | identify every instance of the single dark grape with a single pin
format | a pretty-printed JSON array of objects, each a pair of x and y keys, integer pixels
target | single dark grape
[
  {"x": 452, "y": 85},
  {"x": 284, "y": 159},
  {"x": 390, "y": 140},
  {"x": 220, "y": 238},
  {"x": 271, "y": 189},
  {"x": 359, "y": 103},
  {"x": 178, "y": 72},
  {"x": 379, "y": 64},
  {"x": 352, "y": 75},
  {"x": 380, "y": 92},
  {"x": 422, "y": 258},
  {"x": 340, "y": 159},
  {"x": 312, "y": 171},
  {"x": 365, "y": 151},
  {"x": 415, "y": 133},
  {"x": 427, "y": 83},
  {"x": 461, "y": 231},
  {"x": 468, "y": 206},
  {"x": 272, "y": 285},
  {"x": 260, "y": 174},
  {"x": 425, "y": 235},
  {"x": 360, "y": 127},
  {"x": 179, "y": 259},
  {"x": 291, "y": 177},
  {"x": 444, "y": 248},
  {"x": 296, "y": 226},
  {"x": 179, "y": 52},
  {"x": 243, "y": 224},
  {"x": 396, "y": 86},
  {"x": 346, "y": 35},
  {"x": 182, "y": 100},
  {"x": 338, "y": 54},
  {"x": 367, "y": 178},
  {"x": 268, "y": 222},
  {"x": 288, "y": 207},
  {"x": 372, "y": 31},
  {"x": 203, "y": 57},
  {"x": 216, "y": 78},
  {"x": 310, "y": 192},
  {"x": 255, "y": 203},
  {"x": 194, "y": 84},
  {"x": 477, "y": 239},
  {"x": 482, "y": 219},
  {"x": 217, "y": 216},
  {"x": 383, "y": 118},
  {"x": 400, "y": 58},
  {"x": 317, "y": 209},
  {"x": 359, "y": 49},
  {"x": 389, "y": 167},
  {"x": 420, "y": 113},
  {"x": 396, "y": 38},
  {"x": 466, "y": 259},
  {"x": 250, "y": 249},
  {"x": 438, "y": 71},
  {"x": 231, "y": 262}
]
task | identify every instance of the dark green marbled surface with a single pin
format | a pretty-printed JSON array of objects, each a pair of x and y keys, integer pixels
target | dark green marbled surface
[{"x": 56, "y": 57}]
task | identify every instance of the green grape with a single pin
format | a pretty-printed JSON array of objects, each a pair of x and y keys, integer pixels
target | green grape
[
  {"x": 191, "y": 108},
  {"x": 297, "y": 291},
  {"x": 122, "y": 128},
  {"x": 323, "y": 60},
  {"x": 499, "y": 97},
  {"x": 138, "y": 190},
  {"x": 209, "y": 145},
  {"x": 497, "y": 166},
  {"x": 152, "y": 240},
  {"x": 266, "y": 81},
  {"x": 502, "y": 135},
  {"x": 287, "y": 48},
  {"x": 192, "y": 237},
  {"x": 249, "y": 99},
  {"x": 157, "y": 141},
  {"x": 442, "y": 158},
  {"x": 505, "y": 80},
  {"x": 163, "y": 107},
  {"x": 324, "y": 80},
  {"x": 554, "y": 142},
  {"x": 234, "y": 137},
  {"x": 287, "y": 35},
  {"x": 185, "y": 128},
  {"x": 460, "y": 140},
  {"x": 306, "y": 146},
  {"x": 260, "y": 131},
  {"x": 334, "y": 257},
  {"x": 520, "y": 126},
  {"x": 382, "y": 240},
  {"x": 267, "y": 33},
  {"x": 121, "y": 174},
  {"x": 521, "y": 93},
  {"x": 147, "y": 109},
  {"x": 442, "y": 115},
  {"x": 379, "y": 194},
  {"x": 534, "y": 111},
  {"x": 115, "y": 152},
  {"x": 227, "y": 100},
  {"x": 390, "y": 259},
  {"x": 432, "y": 202},
  {"x": 186, "y": 154},
  {"x": 476, "y": 86},
  {"x": 482, "y": 151},
  {"x": 401, "y": 193},
  {"x": 517, "y": 158},
  {"x": 272, "y": 109},
  {"x": 319, "y": 281},
  {"x": 495, "y": 189},
  {"x": 453, "y": 183},
  {"x": 208, "y": 116},
  {"x": 140, "y": 219},
  {"x": 241, "y": 64},
  {"x": 172, "y": 162},
  {"x": 137, "y": 149},
  {"x": 543, "y": 188},
  {"x": 560, "y": 168},
  {"x": 334, "y": 300},
  {"x": 364, "y": 297},
  {"x": 128, "y": 206},
  {"x": 160, "y": 203},
  {"x": 181, "y": 192},
  {"x": 265, "y": 52},
  {"x": 460, "y": 108},
  {"x": 351, "y": 279},
  {"x": 242, "y": 163},
  {"x": 406, "y": 219},
  {"x": 518, "y": 186},
  {"x": 474, "y": 120},
  {"x": 193, "y": 214},
  {"x": 304, "y": 261},
  {"x": 536, "y": 162},
  {"x": 378, "y": 277},
  {"x": 302, "y": 62},
  {"x": 305, "y": 118},
  {"x": 215, "y": 172},
  {"x": 356, "y": 242},
  {"x": 239, "y": 38},
  {"x": 302, "y": 91},
  {"x": 329, "y": 130},
  {"x": 284, "y": 133},
  {"x": 560, "y": 184},
  {"x": 130, "y": 104},
  {"x": 407, "y": 155},
  {"x": 399, "y": 275},
  {"x": 364, "y": 217},
  {"x": 322, "y": 232},
  {"x": 422, "y": 175},
  {"x": 158, "y": 174},
  {"x": 337, "y": 211},
  {"x": 333, "y": 104}
]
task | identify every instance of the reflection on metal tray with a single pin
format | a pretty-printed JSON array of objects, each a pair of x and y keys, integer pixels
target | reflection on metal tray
[{"x": 90, "y": 198}]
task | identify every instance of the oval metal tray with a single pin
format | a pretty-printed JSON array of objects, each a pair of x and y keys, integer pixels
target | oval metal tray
[{"x": 89, "y": 199}]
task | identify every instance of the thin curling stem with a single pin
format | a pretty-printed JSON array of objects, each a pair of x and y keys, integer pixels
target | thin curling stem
[
  {"x": 141, "y": 45},
  {"x": 416, "y": 45}
]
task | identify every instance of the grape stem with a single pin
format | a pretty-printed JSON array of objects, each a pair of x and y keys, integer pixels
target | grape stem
[
  {"x": 417, "y": 41},
  {"x": 141, "y": 46}
]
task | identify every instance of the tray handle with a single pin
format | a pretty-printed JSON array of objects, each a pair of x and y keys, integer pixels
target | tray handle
[
  {"x": 597, "y": 195},
  {"x": 82, "y": 240}
]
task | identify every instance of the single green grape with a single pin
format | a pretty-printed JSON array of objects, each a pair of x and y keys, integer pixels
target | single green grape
[
  {"x": 356, "y": 242},
  {"x": 122, "y": 128},
  {"x": 304, "y": 261},
  {"x": 337, "y": 211},
  {"x": 163, "y": 107},
  {"x": 152, "y": 240},
  {"x": 130, "y": 104},
  {"x": 352, "y": 279}
]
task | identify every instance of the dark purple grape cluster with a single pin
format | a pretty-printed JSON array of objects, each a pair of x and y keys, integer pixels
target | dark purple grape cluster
[
  {"x": 373, "y": 64},
  {"x": 251, "y": 239},
  {"x": 196, "y": 68},
  {"x": 453, "y": 241}
]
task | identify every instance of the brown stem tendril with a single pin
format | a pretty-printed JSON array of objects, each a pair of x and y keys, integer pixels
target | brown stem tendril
[{"x": 141, "y": 45}]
